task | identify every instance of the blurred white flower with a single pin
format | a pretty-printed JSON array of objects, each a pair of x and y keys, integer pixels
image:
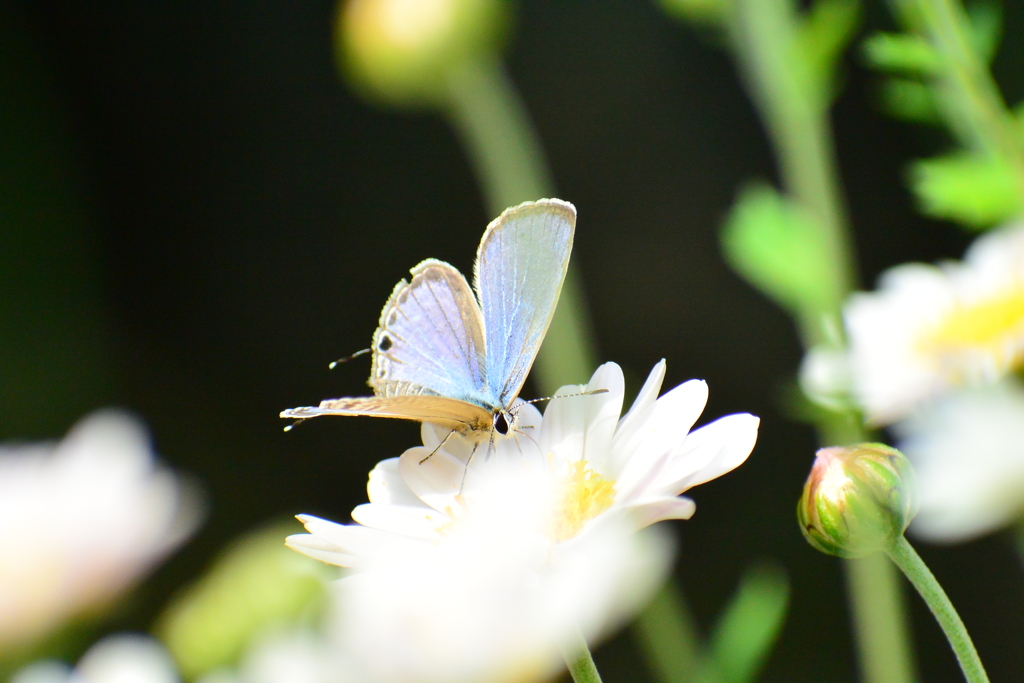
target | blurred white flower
[
  {"x": 122, "y": 658},
  {"x": 480, "y": 574},
  {"x": 284, "y": 655},
  {"x": 968, "y": 450},
  {"x": 931, "y": 328},
  {"x": 80, "y": 521}
]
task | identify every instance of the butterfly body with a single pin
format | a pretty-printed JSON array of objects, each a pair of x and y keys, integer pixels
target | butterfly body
[{"x": 457, "y": 357}]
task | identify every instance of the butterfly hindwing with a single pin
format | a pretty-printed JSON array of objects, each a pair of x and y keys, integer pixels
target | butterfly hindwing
[
  {"x": 449, "y": 413},
  {"x": 519, "y": 271},
  {"x": 430, "y": 336}
]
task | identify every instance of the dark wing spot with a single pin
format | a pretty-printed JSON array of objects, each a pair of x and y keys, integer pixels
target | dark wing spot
[{"x": 384, "y": 344}]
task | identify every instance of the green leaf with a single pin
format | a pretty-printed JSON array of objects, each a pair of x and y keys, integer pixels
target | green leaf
[
  {"x": 901, "y": 53},
  {"x": 777, "y": 247},
  {"x": 986, "y": 17},
  {"x": 826, "y": 30},
  {"x": 668, "y": 637},
  {"x": 750, "y": 624},
  {"x": 910, "y": 100},
  {"x": 974, "y": 191},
  {"x": 713, "y": 12},
  {"x": 253, "y": 584}
]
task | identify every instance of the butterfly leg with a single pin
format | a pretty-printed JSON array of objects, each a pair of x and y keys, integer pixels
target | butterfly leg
[
  {"x": 527, "y": 435},
  {"x": 443, "y": 442},
  {"x": 465, "y": 470}
]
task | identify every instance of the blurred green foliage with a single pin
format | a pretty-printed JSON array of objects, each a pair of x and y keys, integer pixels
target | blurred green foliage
[
  {"x": 973, "y": 186},
  {"x": 901, "y": 53},
  {"x": 711, "y": 12},
  {"x": 775, "y": 245},
  {"x": 827, "y": 28},
  {"x": 254, "y": 585},
  {"x": 969, "y": 189},
  {"x": 749, "y": 625},
  {"x": 740, "y": 642}
]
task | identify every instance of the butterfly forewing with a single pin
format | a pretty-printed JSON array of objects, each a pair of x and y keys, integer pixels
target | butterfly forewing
[
  {"x": 520, "y": 268},
  {"x": 430, "y": 336}
]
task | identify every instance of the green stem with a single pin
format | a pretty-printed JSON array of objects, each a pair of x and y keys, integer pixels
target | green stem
[
  {"x": 504, "y": 149},
  {"x": 974, "y": 101},
  {"x": 907, "y": 559},
  {"x": 763, "y": 35},
  {"x": 579, "y": 660},
  {"x": 873, "y": 585},
  {"x": 668, "y": 636}
]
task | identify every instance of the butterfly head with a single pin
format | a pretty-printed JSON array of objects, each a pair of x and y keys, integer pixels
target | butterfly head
[{"x": 503, "y": 422}]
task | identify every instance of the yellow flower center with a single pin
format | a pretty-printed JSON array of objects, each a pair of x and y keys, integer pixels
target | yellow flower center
[
  {"x": 586, "y": 495},
  {"x": 986, "y": 326}
]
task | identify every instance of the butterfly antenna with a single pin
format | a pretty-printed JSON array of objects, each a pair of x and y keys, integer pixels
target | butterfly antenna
[
  {"x": 582, "y": 393},
  {"x": 443, "y": 442},
  {"x": 347, "y": 358}
]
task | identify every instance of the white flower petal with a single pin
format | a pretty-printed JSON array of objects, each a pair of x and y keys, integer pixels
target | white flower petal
[
  {"x": 349, "y": 539},
  {"x": 489, "y": 606},
  {"x": 126, "y": 658},
  {"x": 968, "y": 453},
  {"x": 290, "y": 656},
  {"x": 664, "y": 430},
  {"x": 657, "y": 509},
  {"x": 419, "y": 521},
  {"x": 435, "y": 476},
  {"x": 710, "y": 452},
  {"x": 645, "y": 399},
  {"x": 324, "y": 551},
  {"x": 386, "y": 485},
  {"x": 583, "y": 425},
  {"x": 45, "y": 671}
]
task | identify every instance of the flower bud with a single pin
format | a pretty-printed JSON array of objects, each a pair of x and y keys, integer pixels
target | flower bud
[
  {"x": 401, "y": 51},
  {"x": 857, "y": 500}
]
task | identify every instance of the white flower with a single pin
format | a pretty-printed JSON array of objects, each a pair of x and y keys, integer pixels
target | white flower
[
  {"x": 480, "y": 573},
  {"x": 931, "y": 328},
  {"x": 122, "y": 658},
  {"x": 80, "y": 521},
  {"x": 285, "y": 655},
  {"x": 968, "y": 450}
]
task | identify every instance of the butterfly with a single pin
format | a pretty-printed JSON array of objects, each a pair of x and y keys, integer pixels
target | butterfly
[{"x": 444, "y": 355}]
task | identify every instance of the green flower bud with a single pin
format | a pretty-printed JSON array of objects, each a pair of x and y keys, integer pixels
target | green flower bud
[
  {"x": 401, "y": 51},
  {"x": 857, "y": 500}
]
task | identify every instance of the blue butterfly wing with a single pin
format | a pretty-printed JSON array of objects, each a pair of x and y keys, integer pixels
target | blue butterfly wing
[
  {"x": 520, "y": 268},
  {"x": 430, "y": 338}
]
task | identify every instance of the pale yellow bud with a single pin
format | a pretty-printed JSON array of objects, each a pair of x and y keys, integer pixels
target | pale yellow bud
[{"x": 401, "y": 51}]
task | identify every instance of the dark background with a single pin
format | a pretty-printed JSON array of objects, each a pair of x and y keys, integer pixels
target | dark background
[{"x": 197, "y": 216}]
